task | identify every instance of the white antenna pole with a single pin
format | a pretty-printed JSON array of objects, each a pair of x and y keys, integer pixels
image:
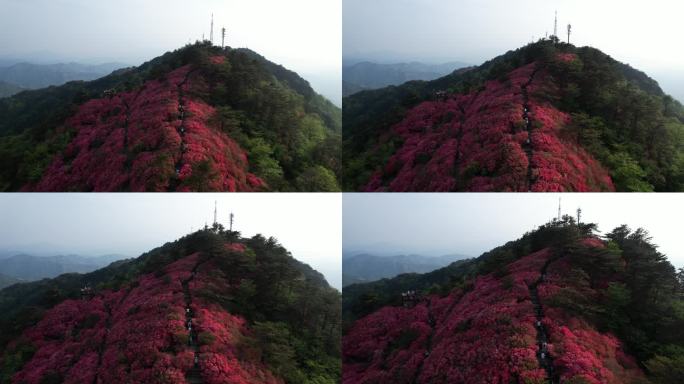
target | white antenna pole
[
  {"x": 555, "y": 24},
  {"x": 559, "y": 209},
  {"x": 214, "y": 211},
  {"x": 211, "y": 31},
  {"x": 579, "y": 215}
]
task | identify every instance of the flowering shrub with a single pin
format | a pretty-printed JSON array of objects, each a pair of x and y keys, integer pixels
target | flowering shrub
[
  {"x": 478, "y": 141},
  {"x": 133, "y": 141},
  {"x": 486, "y": 335},
  {"x": 566, "y": 57},
  {"x": 138, "y": 334}
]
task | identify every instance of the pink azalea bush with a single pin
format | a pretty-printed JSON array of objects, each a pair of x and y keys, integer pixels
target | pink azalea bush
[
  {"x": 485, "y": 335},
  {"x": 138, "y": 334},
  {"x": 132, "y": 141},
  {"x": 477, "y": 142}
]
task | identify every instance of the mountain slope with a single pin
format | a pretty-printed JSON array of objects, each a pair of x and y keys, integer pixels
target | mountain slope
[
  {"x": 27, "y": 267},
  {"x": 546, "y": 117},
  {"x": 558, "y": 305},
  {"x": 6, "y": 281},
  {"x": 8, "y": 89},
  {"x": 34, "y": 76},
  {"x": 367, "y": 75},
  {"x": 211, "y": 307},
  {"x": 197, "y": 119},
  {"x": 365, "y": 267}
]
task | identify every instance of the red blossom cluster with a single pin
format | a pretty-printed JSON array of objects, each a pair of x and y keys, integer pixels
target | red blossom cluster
[
  {"x": 235, "y": 247},
  {"x": 566, "y": 57},
  {"x": 480, "y": 142},
  {"x": 486, "y": 335},
  {"x": 139, "y": 334},
  {"x": 581, "y": 351},
  {"x": 144, "y": 140}
]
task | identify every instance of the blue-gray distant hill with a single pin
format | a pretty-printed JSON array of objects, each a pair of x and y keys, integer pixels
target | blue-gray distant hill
[
  {"x": 7, "y": 89},
  {"x": 368, "y": 75},
  {"x": 35, "y": 76},
  {"x": 364, "y": 267},
  {"x": 30, "y": 268},
  {"x": 6, "y": 281}
]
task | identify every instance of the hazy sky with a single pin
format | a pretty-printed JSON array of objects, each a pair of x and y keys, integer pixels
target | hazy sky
[
  {"x": 644, "y": 34},
  {"x": 473, "y": 223},
  {"x": 308, "y": 225},
  {"x": 303, "y": 35}
]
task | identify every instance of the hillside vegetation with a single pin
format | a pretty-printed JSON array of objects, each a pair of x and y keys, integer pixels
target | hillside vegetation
[
  {"x": 211, "y": 307},
  {"x": 600, "y": 310},
  {"x": 546, "y": 117},
  {"x": 197, "y": 119}
]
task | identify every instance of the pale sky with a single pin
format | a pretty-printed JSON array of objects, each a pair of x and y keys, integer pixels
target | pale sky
[
  {"x": 302, "y": 35},
  {"x": 472, "y": 223},
  {"x": 309, "y": 225},
  {"x": 644, "y": 34}
]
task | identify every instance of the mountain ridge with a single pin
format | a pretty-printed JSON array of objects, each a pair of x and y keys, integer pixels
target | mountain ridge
[
  {"x": 586, "y": 114},
  {"x": 199, "y": 118},
  {"x": 193, "y": 309},
  {"x": 368, "y": 267},
  {"x": 557, "y": 305}
]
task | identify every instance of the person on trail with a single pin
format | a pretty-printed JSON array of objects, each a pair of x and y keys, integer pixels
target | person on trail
[
  {"x": 196, "y": 359},
  {"x": 539, "y": 323},
  {"x": 543, "y": 355}
]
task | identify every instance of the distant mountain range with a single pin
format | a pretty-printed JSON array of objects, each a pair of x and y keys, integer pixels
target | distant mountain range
[
  {"x": 35, "y": 76},
  {"x": 6, "y": 281},
  {"x": 7, "y": 89},
  {"x": 369, "y": 75},
  {"x": 30, "y": 268},
  {"x": 364, "y": 267}
]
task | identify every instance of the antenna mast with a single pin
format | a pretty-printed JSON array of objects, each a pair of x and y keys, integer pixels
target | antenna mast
[
  {"x": 559, "y": 209},
  {"x": 579, "y": 215},
  {"x": 211, "y": 31},
  {"x": 569, "y": 28},
  {"x": 231, "y": 221},
  {"x": 555, "y": 24},
  {"x": 214, "y": 212},
  {"x": 223, "y": 37}
]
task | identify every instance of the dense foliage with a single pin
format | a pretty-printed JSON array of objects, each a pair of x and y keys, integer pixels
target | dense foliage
[
  {"x": 612, "y": 310},
  {"x": 588, "y": 113},
  {"x": 246, "y": 124},
  {"x": 260, "y": 317}
]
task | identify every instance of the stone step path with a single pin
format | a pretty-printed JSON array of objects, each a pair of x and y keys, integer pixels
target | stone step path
[
  {"x": 182, "y": 115},
  {"x": 194, "y": 375},
  {"x": 543, "y": 356},
  {"x": 432, "y": 322},
  {"x": 528, "y": 127}
]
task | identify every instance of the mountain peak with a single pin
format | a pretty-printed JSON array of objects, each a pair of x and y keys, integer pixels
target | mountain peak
[
  {"x": 200, "y": 118},
  {"x": 211, "y": 307},
  {"x": 546, "y": 117}
]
